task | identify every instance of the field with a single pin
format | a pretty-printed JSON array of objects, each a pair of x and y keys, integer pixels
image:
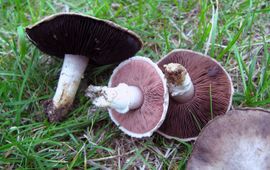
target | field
[{"x": 236, "y": 33}]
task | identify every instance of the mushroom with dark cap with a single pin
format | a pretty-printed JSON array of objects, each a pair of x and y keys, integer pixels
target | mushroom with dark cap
[
  {"x": 238, "y": 140},
  {"x": 199, "y": 90},
  {"x": 79, "y": 39},
  {"x": 136, "y": 97}
]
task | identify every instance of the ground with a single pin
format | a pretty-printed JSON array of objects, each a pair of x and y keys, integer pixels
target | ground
[{"x": 236, "y": 33}]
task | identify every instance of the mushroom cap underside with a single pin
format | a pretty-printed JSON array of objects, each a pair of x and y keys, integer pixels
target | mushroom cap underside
[
  {"x": 213, "y": 92},
  {"x": 143, "y": 73},
  {"x": 103, "y": 41}
]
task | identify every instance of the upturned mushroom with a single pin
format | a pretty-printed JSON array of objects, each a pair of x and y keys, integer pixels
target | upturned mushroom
[
  {"x": 199, "y": 88},
  {"x": 79, "y": 39},
  {"x": 238, "y": 140},
  {"x": 136, "y": 97}
]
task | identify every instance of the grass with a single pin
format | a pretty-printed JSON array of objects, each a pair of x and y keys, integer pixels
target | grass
[{"x": 236, "y": 33}]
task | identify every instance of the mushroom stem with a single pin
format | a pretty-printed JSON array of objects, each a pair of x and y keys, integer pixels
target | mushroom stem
[
  {"x": 122, "y": 98},
  {"x": 69, "y": 81},
  {"x": 179, "y": 82}
]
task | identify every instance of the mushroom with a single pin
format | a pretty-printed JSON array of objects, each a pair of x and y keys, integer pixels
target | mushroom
[
  {"x": 79, "y": 39},
  {"x": 238, "y": 140},
  {"x": 136, "y": 97},
  {"x": 199, "y": 88}
]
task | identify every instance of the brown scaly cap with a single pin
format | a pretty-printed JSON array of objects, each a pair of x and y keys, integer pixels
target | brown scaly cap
[
  {"x": 103, "y": 41},
  {"x": 238, "y": 140},
  {"x": 185, "y": 120}
]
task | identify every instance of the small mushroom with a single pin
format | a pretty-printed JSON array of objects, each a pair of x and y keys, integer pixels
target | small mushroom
[
  {"x": 136, "y": 97},
  {"x": 238, "y": 140},
  {"x": 199, "y": 88},
  {"x": 79, "y": 39}
]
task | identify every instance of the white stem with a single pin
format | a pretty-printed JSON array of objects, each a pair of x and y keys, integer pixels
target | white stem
[
  {"x": 180, "y": 89},
  {"x": 179, "y": 82},
  {"x": 122, "y": 98},
  {"x": 69, "y": 81}
]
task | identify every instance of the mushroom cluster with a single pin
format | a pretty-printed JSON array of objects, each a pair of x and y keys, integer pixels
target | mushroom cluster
[
  {"x": 79, "y": 39},
  {"x": 136, "y": 98},
  {"x": 185, "y": 95}
]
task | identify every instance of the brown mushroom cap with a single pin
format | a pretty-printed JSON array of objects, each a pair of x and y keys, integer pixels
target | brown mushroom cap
[
  {"x": 143, "y": 73},
  {"x": 102, "y": 41},
  {"x": 211, "y": 82},
  {"x": 239, "y": 140}
]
